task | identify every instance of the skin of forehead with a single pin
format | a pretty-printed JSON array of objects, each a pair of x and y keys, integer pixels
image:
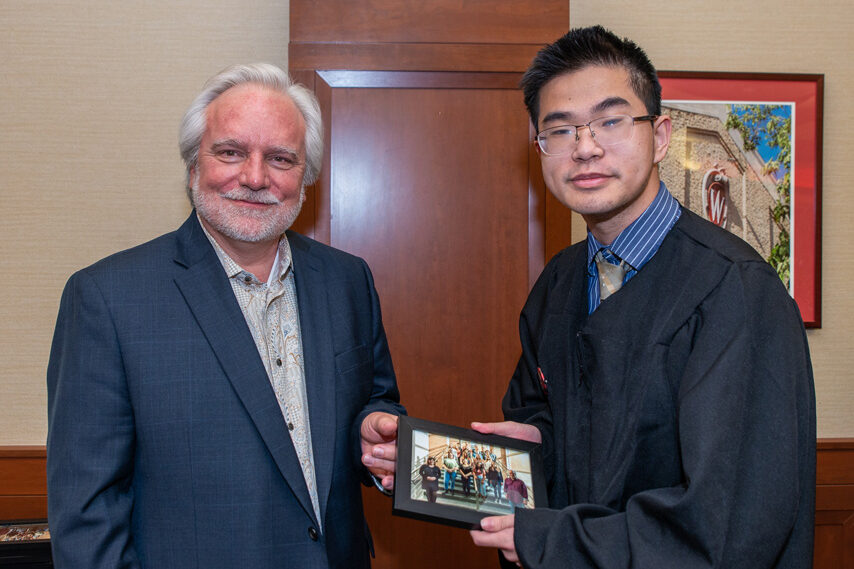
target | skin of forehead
[
  {"x": 236, "y": 105},
  {"x": 606, "y": 101}
]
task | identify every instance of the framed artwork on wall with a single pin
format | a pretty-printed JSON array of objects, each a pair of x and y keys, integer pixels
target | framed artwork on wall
[{"x": 745, "y": 154}]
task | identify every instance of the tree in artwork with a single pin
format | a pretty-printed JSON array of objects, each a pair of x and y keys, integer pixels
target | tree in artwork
[{"x": 769, "y": 127}]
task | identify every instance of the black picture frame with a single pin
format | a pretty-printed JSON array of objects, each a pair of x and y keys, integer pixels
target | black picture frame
[{"x": 461, "y": 511}]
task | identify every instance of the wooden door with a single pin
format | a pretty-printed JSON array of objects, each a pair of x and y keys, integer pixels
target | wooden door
[{"x": 428, "y": 179}]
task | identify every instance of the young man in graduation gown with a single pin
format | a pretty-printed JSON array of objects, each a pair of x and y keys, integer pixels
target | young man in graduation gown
[{"x": 664, "y": 366}]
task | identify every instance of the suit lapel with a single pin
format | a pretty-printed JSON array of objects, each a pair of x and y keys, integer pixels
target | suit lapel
[
  {"x": 208, "y": 293},
  {"x": 319, "y": 363}
]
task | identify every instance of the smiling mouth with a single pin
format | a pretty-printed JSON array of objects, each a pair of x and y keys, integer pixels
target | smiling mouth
[
  {"x": 241, "y": 201},
  {"x": 246, "y": 202}
]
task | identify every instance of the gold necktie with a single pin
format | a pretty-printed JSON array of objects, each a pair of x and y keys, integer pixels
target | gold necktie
[{"x": 610, "y": 275}]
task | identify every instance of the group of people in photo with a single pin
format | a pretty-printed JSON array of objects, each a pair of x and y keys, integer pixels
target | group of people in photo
[{"x": 479, "y": 470}]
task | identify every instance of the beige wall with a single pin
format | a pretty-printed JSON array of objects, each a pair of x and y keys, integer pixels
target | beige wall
[
  {"x": 787, "y": 36},
  {"x": 91, "y": 94}
]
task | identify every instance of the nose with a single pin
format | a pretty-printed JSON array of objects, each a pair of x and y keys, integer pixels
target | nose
[
  {"x": 586, "y": 146},
  {"x": 253, "y": 174}
]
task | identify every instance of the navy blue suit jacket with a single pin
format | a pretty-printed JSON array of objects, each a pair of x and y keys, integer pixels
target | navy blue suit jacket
[{"x": 166, "y": 444}]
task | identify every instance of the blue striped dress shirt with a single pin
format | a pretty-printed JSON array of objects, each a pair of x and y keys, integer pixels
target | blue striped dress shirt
[{"x": 636, "y": 244}]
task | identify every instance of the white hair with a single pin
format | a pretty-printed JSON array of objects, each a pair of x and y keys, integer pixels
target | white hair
[{"x": 194, "y": 121}]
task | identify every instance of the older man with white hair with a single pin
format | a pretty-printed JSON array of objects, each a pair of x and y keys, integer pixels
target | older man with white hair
[{"x": 216, "y": 395}]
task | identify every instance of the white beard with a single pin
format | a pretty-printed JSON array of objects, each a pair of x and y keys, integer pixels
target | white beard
[{"x": 244, "y": 224}]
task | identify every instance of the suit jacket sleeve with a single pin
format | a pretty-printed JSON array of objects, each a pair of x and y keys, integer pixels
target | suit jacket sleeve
[
  {"x": 746, "y": 430},
  {"x": 90, "y": 444},
  {"x": 385, "y": 396}
]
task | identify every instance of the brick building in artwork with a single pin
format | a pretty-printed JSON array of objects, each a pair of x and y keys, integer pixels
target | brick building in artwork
[{"x": 708, "y": 170}]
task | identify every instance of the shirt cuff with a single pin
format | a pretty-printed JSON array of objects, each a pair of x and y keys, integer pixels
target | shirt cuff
[{"x": 379, "y": 484}]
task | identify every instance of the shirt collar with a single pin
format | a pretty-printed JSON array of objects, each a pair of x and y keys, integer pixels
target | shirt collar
[
  {"x": 281, "y": 264},
  {"x": 638, "y": 242}
]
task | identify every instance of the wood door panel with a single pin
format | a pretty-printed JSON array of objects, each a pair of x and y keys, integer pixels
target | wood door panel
[
  {"x": 430, "y": 186},
  {"x": 428, "y": 180}
]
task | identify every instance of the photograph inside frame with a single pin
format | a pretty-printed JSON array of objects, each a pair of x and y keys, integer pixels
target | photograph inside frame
[
  {"x": 458, "y": 472},
  {"x": 458, "y": 476}
]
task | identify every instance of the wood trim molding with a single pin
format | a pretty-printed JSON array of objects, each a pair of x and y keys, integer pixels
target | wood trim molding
[
  {"x": 834, "y": 504},
  {"x": 440, "y": 21},
  {"x": 340, "y": 79},
  {"x": 835, "y": 475},
  {"x": 411, "y": 56},
  {"x": 23, "y": 495},
  {"x": 390, "y": 35},
  {"x": 23, "y": 481}
]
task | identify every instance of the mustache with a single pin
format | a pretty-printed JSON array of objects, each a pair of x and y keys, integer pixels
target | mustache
[{"x": 251, "y": 196}]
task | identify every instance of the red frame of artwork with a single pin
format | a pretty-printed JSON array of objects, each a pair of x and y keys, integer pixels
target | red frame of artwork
[{"x": 807, "y": 94}]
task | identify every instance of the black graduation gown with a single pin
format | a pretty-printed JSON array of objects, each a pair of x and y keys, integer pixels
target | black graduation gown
[{"x": 679, "y": 417}]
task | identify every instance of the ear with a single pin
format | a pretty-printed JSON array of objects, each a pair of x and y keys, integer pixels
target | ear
[
  {"x": 661, "y": 137},
  {"x": 533, "y": 129},
  {"x": 191, "y": 178}
]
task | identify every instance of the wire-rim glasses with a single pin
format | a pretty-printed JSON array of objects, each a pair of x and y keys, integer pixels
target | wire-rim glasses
[{"x": 606, "y": 131}]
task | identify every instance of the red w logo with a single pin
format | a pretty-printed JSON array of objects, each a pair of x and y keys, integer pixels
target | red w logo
[{"x": 716, "y": 209}]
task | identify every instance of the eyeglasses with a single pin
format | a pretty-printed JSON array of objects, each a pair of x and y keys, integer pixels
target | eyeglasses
[{"x": 606, "y": 131}]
